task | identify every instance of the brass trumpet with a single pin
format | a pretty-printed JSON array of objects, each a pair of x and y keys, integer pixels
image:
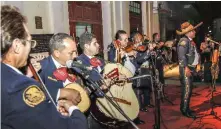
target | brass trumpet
[{"x": 208, "y": 39}]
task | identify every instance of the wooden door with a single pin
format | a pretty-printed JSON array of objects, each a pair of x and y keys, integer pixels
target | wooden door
[
  {"x": 86, "y": 12},
  {"x": 97, "y": 30}
]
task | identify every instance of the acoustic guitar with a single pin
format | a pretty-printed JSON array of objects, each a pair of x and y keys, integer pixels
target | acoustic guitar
[
  {"x": 123, "y": 95},
  {"x": 84, "y": 92}
]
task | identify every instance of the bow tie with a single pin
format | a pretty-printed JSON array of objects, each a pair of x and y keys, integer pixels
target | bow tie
[
  {"x": 95, "y": 62},
  {"x": 62, "y": 74},
  {"x": 193, "y": 43}
]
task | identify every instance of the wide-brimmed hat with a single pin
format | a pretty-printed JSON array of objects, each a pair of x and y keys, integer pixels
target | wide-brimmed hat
[{"x": 187, "y": 27}]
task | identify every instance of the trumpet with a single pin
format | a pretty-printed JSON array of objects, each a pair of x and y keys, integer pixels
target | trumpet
[{"x": 208, "y": 39}]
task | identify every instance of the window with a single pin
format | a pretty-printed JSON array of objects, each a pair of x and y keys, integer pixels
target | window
[
  {"x": 135, "y": 7},
  {"x": 81, "y": 28}
]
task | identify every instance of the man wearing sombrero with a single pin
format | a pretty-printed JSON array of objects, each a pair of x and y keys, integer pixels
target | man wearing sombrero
[{"x": 188, "y": 59}]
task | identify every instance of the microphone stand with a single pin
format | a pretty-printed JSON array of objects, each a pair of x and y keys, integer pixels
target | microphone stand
[
  {"x": 156, "y": 88},
  {"x": 163, "y": 96},
  {"x": 43, "y": 87},
  {"x": 95, "y": 86},
  {"x": 213, "y": 89}
]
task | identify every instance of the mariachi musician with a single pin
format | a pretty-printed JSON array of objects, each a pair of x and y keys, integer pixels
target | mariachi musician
[
  {"x": 25, "y": 105},
  {"x": 206, "y": 48},
  {"x": 143, "y": 86},
  {"x": 62, "y": 48},
  {"x": 118, "y": 53},
  {"x": 188, "y": 59},
  {"x": 158, "y": 46},
  {"x": 90, "y": 48}
]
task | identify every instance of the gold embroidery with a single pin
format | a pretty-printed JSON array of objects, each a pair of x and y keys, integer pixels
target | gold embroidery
[
  {"x": 183, "y": 43},
  {"x": 33, "y": 95},
  {"x": 52, "y": 78},
  {"x": 187, "y": 88}
]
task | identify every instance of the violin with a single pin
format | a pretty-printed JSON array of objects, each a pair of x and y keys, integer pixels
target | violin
[
  {"x": 137, "y": 38},
  {"x": 131, "y": 47}
]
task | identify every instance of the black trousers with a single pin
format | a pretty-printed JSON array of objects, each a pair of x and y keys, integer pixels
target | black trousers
[
  {"x": 186, "y": 89},
  {"x": 143, "y": 96},
  {"x": 93, "y": 124}
]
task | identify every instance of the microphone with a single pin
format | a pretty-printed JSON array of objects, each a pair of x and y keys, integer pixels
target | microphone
[
  {"x": 212, "y": 41},
  {"x": 77, "y": 64},
  {"x": 138, "y": 77}
]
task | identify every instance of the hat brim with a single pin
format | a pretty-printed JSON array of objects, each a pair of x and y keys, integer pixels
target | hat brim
[{"x": 184, "y": 32}]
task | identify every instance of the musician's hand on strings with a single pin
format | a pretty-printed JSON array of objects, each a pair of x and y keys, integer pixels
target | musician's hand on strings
[
  {"x": 107, "y": 84},
  {"x": 63, "y": 107},
  {"x": 71, "y": 95},
  {"x": 151, "y": 46},
  {"x": 103, "y": 87},
  {"x": 132, "y": 53},
  {"x": 187, "y": 72},
  {"x": 122, "y": 53},
  {"x": 122, "y": 77}
]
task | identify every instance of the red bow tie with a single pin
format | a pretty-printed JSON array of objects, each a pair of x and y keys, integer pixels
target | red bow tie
[
  {"x": 62, "y": 74},
  {"x": 193, "y": 43},
  {"x": 95, "y": 62}
]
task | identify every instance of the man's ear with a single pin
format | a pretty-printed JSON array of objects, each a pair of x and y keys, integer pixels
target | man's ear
[
  {"x": 16, "y": 46},
  {"x": 56, "y": 53},
  {"x": 86, "y": 46}
]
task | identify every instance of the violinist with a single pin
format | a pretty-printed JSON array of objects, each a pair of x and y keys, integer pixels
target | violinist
[
  {"x": 118, "y": 54},
  {"x": 142, "y": 87},
  {"x": 159, "y": 59},
  {"x": 24, "y": 104}
]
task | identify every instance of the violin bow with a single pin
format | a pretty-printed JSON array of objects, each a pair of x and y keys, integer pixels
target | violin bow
[{"x": 38, "y": 78}]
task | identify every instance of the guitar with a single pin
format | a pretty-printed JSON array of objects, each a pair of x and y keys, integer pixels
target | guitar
[
  {"x": 84, "y": 92},
  {"x": 85, "y": 100},
  {"x": 122, "y": 95}
]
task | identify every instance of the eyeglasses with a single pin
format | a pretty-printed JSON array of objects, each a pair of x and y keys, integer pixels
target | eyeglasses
[{"x": 32, "y": 42}]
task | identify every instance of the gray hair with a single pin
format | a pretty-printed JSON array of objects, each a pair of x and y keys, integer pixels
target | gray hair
[
  {"x": 12, "y": 27},
  {"x": 56, "y": 41}
]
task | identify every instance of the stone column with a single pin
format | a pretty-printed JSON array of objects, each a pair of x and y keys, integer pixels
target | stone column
[
  {"x": 107, "y": 26},
  {"x": 120, "y": 16},
  {"x": 144, "y": 17}
]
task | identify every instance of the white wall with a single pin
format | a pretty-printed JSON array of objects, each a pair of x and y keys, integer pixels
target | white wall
[
  {"x": 38, "y": 8},
  {"x": 120, "y": 16},
  {"x": 59, "y": 16},
  {"x": 144, "y": 16},
  {"x": 54, "y": 15},
  {"x": 106, "y": 22}
]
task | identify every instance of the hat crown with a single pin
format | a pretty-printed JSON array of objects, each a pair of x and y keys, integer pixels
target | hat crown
[{"x": 185, "y": 25}]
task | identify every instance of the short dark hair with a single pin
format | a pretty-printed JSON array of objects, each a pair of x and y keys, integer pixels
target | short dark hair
[
  {"x": 57, "y": 41},
  {"x": 12, "y": 27},
  {"x": 119, "y": 32},
  {"x": 86, "y": 38},
  {"x": 154, "y": 35}
]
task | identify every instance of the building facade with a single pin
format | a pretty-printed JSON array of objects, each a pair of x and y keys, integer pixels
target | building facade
[{"x": 101, "y": 18}]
